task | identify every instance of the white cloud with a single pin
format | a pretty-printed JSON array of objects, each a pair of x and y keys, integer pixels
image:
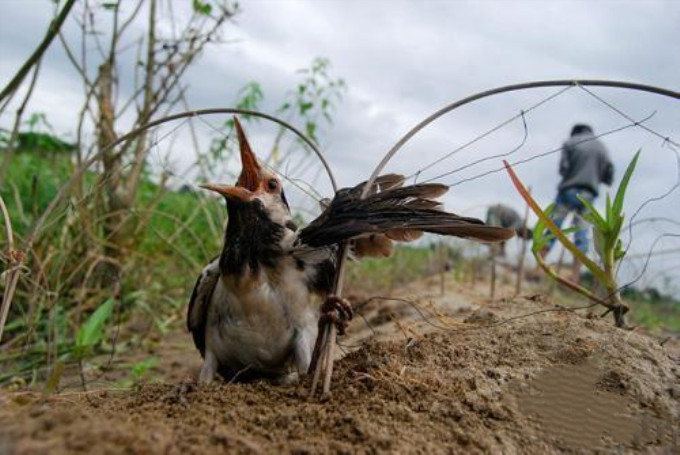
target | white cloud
[{"x": 403, "y": 60}]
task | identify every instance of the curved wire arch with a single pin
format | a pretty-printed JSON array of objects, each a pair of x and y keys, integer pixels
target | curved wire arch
[
  {"x": 182, "y": 115},
  {"x": 505, "y": 89},
  {"x": 229, "y": 110}
]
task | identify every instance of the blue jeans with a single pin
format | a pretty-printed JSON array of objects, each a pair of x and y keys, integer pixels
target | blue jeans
[{"x": 567, "y": 202}]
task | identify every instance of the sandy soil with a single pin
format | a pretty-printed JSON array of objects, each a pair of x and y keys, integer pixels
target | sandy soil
[{"x": 467, "y": 379}]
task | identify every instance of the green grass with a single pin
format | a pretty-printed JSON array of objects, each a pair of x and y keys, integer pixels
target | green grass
[
  {"x": 167, "y": 247},
  {"x": 407, "y": 263},
  {"x": 657, "y": 316},
  {"x": 169, "y": 238}
]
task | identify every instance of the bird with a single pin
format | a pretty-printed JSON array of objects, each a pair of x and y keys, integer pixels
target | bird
[{"x": 254, "y": 311}]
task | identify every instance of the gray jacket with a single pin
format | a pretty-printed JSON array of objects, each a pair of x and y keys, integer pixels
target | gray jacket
[{"x": 585, "y": 163}]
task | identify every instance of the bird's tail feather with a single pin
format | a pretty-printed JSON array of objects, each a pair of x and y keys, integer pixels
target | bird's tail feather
[{"x": 400, "y": 213}]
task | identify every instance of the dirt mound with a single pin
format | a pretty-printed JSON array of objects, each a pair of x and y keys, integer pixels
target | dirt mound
[{"x": 553, "y": 383}]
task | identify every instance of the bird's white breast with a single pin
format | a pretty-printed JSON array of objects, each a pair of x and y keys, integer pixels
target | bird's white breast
[{"x": 257, "y": 322}]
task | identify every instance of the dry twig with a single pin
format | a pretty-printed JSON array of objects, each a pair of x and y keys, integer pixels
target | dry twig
[{"x": 15, "y": 259}]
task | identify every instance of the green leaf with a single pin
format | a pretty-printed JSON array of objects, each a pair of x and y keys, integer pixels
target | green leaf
[
  {"x": 305, "y": 106},
  {"x": 92, "y": 332},
  {"x": 139, "y": 369},
  {"x": 250, "y": 95},
  {"x": 593, "y": 216},
  {"x": 601, "y": 243},
  {"x": 311, "y": 131},
  {"x": 578, "y": 254},
  {"x": 617, "y": 208},
  {"x": 619, "y": 252},
  {"x": 202, "y": 7},
  {"x": 615, "y": 226},
  {"x": 540, "y": 238},
  {"x": 540, "y": 241}
]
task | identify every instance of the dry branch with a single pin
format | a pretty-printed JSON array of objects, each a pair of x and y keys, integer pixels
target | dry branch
[
  {"x": 52, "y": 31},
  {"x": 523, "y": 252},
  {"x": 14, "y": 260}
]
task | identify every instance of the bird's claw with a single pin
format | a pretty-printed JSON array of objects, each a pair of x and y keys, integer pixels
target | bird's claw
[{"x": 338, "y": 311}]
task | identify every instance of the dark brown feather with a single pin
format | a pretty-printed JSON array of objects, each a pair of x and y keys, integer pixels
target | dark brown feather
[
  {"x": 199, "y": 302},
  {"x": 382, "y": 183},
  {"x": 402, "y": 208}
]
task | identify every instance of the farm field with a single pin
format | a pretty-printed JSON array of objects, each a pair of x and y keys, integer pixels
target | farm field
[
  {"x": 554, "y": 382},
  {"x": 475, "y": 203}
]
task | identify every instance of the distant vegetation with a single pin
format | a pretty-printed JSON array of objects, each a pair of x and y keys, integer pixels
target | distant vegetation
[
  {"x": 115, "y": 260},
  {"x": 178, "y": 232}
]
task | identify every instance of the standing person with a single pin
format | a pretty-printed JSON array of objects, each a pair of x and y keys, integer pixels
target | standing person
[
  {"x": 584, "y": 164},
  {"x": 507, "y": 217}
]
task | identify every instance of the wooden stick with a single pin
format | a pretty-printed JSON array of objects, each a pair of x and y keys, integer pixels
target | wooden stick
[
  {"x": 15, "y": 259},
  {"x": 523, "y": 253},
  {"x": 474, "y": 267},
  {"x": 328, "y": 364},
  {"x": 324, "y": 360},
  {"x": 560, "y": 263},
  {"x": 442, "y": 268},
  {"x": 316, "y": 360},
  {"x": 493, "y": 271},
  {"x": 330, "y": 342},
  {"x": 442, "y": 282}
]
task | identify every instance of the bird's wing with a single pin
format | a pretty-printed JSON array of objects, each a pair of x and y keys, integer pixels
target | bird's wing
[
  {"x": 199, "y": 302},
  {"x": 319, "y": 265},
  {"x": 398, "y": 212}
]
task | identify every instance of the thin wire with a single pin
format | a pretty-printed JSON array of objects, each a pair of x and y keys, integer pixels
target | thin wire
[
  {"x": 649, "y": 256},
  {"x": 506, "y": 89},
  {"x": 656, "y": 219},
  {"x": 413, "y": 304},
  {"x": 491, "y": 131},
  {"x": 482, "y": 160},
  {"x": 626, "y": 116},
  {"x": 550, "y": 152},
  {"x": 101, "y": 182},
  {"x": 666, "y": 140},
  {"x": 280, "y": 174},
  {"x": 311, "y": 192},
  {"x": 656, "y": 253},
  {"x": 651, "y": 200}
]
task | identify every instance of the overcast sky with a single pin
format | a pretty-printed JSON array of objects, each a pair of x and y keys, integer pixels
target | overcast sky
[{"x": 402, "y": 60}]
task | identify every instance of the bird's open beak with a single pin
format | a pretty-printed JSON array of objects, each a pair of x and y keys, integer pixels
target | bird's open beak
[
  {"x": 251, "y": 173},
  {"x": 230, "y": 192}
]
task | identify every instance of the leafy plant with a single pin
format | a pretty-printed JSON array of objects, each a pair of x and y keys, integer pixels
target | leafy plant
[
  {"x": 37, "y": 120},
  {"x": 203, "y": 8},
  {"x": 315, "y": 96},
  {"x": 91, "y": 333},
  {"x": 606, "y": 232},
  {"x": 139, "y": 370},
  {"x": 310, "y": 103}
]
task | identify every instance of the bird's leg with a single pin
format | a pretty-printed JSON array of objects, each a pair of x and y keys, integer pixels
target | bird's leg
[
  {"x": 209, "y": 368},
  {"x": 302, "y": 347},
  {"x": 338, "y": 311},
  {"x": 334, "y": 310}
]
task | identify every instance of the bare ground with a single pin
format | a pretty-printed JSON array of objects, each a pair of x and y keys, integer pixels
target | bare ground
[{"x": 462, "y": 381}]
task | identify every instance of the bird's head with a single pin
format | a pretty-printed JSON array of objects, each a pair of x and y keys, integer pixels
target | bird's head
[{"x": 256, "y": 190}]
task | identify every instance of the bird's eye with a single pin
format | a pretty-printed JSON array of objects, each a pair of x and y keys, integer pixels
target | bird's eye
[{"x": 272, "y": 184}]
